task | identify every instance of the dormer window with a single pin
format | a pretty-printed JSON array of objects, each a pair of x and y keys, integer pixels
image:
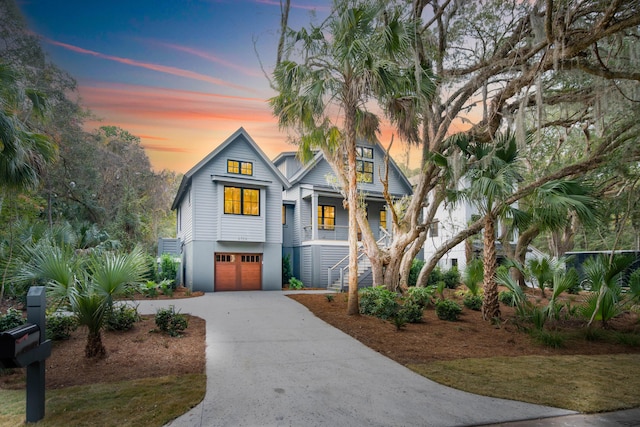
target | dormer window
[
  {"x": 364, "y": 164},
  {"x": 239, "y": 167}
]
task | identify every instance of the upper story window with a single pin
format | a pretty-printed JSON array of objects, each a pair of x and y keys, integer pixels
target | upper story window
[
  {"x": 364, "y": 164},
  {"x": 241, "y": 201},
  {"x": 242, "y": 168},
  {"x": 326, "y": 217},
  {"x": 433, "y": 228},
  {"x": 383, "y": 218}
]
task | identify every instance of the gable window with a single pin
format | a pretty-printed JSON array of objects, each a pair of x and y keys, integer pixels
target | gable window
[
  {"x": 433, "y": 228},
  {"x": 326, "y": 217},
  {"x": 364, "y": 164},
  {"x": 241, "y": 201},
  {"x": 242, "y": 168}
]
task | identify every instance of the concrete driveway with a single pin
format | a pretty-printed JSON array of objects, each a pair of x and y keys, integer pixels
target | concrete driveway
[{"x": 271, "y": 362}]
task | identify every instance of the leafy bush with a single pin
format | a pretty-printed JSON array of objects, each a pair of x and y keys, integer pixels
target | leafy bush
[
  {"x": 473, "y": 302},
  {"x": 167, "y": 287},
  {"x": 379, "y": 302},
  {"x": 435, "y": 277},
  {"x": 448, "y": 310},
  {"x": 11, "y": 319},
  {"x": 416, "y": 266},
  {"x": 60, "y": 326},
  {"x": 410, "y": 312},
  {"x": 329, "y": 297},
  {"x": 507, "y": 298},
  {"x": 287, "y": 272},
  {"x": 171, "y": 322},
  {"x": 168, "y": 268},
  {"x": 149, "y": 289},
  {"x": 420, "y": 296},
  {"x": 122, "y": 318},
  {"x": 295, "y": 283},
  {"x": 451, "y": 278}
]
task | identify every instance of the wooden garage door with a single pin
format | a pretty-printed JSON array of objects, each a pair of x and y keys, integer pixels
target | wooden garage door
[{"x": 238, "y": 272}]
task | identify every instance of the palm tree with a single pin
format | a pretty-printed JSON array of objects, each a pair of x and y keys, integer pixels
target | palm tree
[
  {"x": 23, "y": 152},
  {"x": 493, "y": 175},
  {"x": 603, "y": 275},
  {"x": 343, "y": 66}
]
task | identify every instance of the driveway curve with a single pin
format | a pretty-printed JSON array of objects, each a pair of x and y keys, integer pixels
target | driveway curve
[{"x": 271, "y": 362}]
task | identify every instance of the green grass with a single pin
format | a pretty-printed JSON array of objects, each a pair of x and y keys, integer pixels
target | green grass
[
  {"x": 144, "y": 402},
  {"x": 581, "y": 383}
]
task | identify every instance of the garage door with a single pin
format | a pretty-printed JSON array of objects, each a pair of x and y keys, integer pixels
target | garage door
[{"x": 238, "y": 272}]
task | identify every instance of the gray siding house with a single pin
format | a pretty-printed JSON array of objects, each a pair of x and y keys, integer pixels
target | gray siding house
[
  {"x": 229, "y": 213},
  {"x": 239, "y": 214}
]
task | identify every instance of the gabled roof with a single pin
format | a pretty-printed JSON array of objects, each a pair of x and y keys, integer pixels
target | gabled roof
[
  {"x": 318, "y": 156},
  {"x": 186, "y": 179}
]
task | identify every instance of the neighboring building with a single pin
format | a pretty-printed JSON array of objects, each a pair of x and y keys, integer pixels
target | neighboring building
[{"x": 238, "y": 214}]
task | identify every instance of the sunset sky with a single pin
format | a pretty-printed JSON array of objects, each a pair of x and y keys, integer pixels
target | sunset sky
[{"x": 181, "y": 75}]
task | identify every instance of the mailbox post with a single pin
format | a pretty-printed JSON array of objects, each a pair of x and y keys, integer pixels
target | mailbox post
[
  {"x": 36, "y": 314},
  {"x": 27, "y": 346}
]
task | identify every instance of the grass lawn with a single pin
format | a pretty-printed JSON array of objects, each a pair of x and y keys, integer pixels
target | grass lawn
[
  {"x": 581, "y": 383},
  {"x": 144, "y": 402}
]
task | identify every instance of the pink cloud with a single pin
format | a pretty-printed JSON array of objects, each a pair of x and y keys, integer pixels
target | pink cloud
[
  {"x": 155, "y": 67},
  {"x": 210, "y": 57}
]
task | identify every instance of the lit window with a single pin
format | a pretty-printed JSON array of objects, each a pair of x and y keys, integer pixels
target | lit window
[
  {"x": 241, "y": 201},
  {"x": 242, "y": 168},
  {"x": 326, "y": 217},
  {"x": 383, "y": 218},
  {"x": 364, "y": 171},
  {"x": 284, "y": 215}
]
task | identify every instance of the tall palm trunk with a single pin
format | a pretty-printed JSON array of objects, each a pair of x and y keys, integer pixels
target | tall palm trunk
[
  {"x": 352, "y": 200},
  {"x": 490, "y": 302}
]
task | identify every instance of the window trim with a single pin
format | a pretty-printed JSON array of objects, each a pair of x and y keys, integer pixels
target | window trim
[
  {"x": 241, "y": 167},
  {"x": 242, "y": 200}
]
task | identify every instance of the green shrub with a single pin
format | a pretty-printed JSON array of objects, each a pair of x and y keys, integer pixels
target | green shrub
[
  {"x": 329, "y": 297},
  {"x": 628, "y": 339},
  {"x": 11, "y": 319},
  {"x": 60, "y": 326},
  {"x": 435, "y": 277},
  {"x": 149, "y": 289},
  {"x": 448, "y": 310},
  {"x": 167, "y": 287},
  {"x": 295, "y": 283},
  {"x": 507, "y": 298},
  {"x": 411, "y": 312},
  {"x": 473, "y": 302},
  {"x": 420, "y": 296},
  {"x": 416, "y": 266},
  {"x": 451, "y": 278},
  {"x": 168, "y": 268},
  {"x": 287, "y": 272},
  {"x": 171, "y": 322},
  {"x": 551, "y": 339},
  {"x": 122, "y": 318},
  {"x": 379, "y": 302}
]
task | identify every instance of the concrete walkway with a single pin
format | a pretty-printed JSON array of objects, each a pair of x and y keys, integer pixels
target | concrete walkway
[{"x": 271, "y": 362}]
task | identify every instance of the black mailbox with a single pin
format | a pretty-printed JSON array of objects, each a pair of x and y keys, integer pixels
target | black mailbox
[{"x": 18, "y": 341}]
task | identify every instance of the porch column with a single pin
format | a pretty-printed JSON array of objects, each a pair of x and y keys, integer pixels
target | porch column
[{"x": 314, "y": 216}]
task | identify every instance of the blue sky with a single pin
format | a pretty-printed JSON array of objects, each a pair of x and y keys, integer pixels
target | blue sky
[{"x": 181, "y": 74}]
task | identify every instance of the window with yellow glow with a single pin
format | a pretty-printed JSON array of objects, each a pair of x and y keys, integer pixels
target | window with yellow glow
[
  {"x": 242, "y": 168},
  {"x": 326, "y": 217},
  {"x": 241, "y": 201}
]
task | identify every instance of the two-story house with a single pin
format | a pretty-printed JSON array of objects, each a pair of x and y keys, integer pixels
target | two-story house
[{"x": 238, "y": 214}]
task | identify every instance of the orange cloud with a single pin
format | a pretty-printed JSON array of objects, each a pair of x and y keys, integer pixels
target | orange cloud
[
  {"x": 155, "y": 67},
  {"x": 163, "y": 148}
]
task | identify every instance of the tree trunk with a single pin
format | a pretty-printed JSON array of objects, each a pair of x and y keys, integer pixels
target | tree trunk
[
  {"x": 352, "y": 201},
  {"x": 490, "y": 302},
  {"x": 94, "y": 347},
  {"x": 524, "y": 240}
]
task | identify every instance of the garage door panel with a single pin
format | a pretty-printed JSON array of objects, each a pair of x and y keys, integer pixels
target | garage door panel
[{"x": 238, "y": 272}]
